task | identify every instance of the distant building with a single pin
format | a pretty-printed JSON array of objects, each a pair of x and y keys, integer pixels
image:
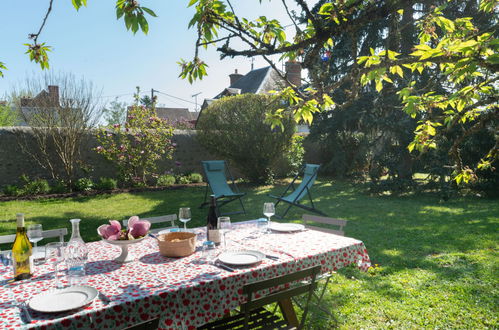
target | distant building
[
  {"x": 45, "y": 99},
  {"x": 260, "y": 81},
  {"x": 176, "y": 115}
]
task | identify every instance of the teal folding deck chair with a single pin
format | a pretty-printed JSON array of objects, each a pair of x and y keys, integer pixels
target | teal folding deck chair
[
  {"x": 216, "y": 173},
  {"x": 294, "y": 198}
]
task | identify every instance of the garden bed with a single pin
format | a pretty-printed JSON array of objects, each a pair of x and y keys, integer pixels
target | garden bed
[{"x": 98, "y": 192}]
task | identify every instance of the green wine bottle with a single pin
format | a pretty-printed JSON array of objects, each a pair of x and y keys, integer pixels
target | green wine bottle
[{"x": 21, "y": 252}]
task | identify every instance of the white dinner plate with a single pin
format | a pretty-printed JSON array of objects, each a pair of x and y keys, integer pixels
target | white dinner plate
[
  {"x": 241, "y": 258},
  {"x": 286, "y": 227},
  {"x": 61, "y": 300}
]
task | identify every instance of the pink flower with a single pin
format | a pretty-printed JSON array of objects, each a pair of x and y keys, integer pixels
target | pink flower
[
  {"x": 110, "y": 232},
  {"x": 138, "y": 228},
  {"x": 116, "y": 125},
  {"x": 99, "y": 148}
]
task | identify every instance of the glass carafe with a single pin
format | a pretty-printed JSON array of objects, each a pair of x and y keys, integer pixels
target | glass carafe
[{"x": 76, "y": 255}]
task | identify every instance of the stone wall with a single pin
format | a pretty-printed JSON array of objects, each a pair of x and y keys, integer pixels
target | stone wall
[
  {"x": 189, "y": 153},
  {"x": 14, "y": 162}
]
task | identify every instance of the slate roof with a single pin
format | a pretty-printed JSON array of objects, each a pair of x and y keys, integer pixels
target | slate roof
[{"x": 258, "y": 81}]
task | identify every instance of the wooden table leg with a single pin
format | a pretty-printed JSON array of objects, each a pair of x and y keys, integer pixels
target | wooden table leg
[{"x": 288, "y": 312}]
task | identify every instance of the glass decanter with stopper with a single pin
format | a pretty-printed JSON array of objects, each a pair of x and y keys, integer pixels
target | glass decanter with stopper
[{"x": 76, "y": 255}]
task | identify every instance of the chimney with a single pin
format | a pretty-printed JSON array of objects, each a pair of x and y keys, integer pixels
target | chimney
[
  {"x": 293, "y": 73},
  {"x": 235, "y": 77},
  {"x": 54, "y": 94},
  {"x": 25, "y": 101}
]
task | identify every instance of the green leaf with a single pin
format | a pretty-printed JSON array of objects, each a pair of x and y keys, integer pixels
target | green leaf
[
  {"x": 494, "y": 59},
  {"x": 149, "y": 11},
  {"x": 2, "y": 66},
  {"x": 379, "y": 85},
  {"x": 144, "y": 26},
  {"x": 411, "y": 146},
  {"x": 119, "y": 12}
]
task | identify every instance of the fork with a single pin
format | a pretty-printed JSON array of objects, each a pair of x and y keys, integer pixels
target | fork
[{"x": 23, "y": 307}]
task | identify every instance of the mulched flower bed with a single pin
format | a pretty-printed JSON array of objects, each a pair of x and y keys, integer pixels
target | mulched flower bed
[{"x": 99, "y": 192}]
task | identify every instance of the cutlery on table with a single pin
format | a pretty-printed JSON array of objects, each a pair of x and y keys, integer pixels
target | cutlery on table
[
  {"x": 153, "y": 236},
  {"x": 220, "y": 265},
  {"x": 268, "y": 256},
  {"x": 105, "y": 299},
  {"x": 24, "y": 312}
]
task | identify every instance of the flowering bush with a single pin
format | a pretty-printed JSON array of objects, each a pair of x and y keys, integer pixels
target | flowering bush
[{"x": 136, "y": 147}]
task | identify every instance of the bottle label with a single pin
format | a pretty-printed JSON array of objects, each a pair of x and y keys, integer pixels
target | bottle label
[{"x": 214, "y": 235}]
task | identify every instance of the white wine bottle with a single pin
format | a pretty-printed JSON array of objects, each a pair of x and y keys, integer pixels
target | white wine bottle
[{"x": 21, "y": 252}]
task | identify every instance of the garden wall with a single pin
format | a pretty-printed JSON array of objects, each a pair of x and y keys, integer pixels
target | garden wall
[
  {"x": 14, "y": 162},
  {"x": 189, "y": 153}
]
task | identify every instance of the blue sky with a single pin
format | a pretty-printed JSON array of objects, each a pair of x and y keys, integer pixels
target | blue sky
[{"x": 93, "y": 44}]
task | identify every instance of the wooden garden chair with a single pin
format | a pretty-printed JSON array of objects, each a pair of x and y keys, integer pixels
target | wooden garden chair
[
  {"x": 338, "y": 225},
  {"x": 254, "y": 316},
  {"x": 59, "y": 232}
]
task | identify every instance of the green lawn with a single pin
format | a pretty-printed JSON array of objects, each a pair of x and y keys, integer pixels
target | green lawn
[{"x": 436, "y": 261}]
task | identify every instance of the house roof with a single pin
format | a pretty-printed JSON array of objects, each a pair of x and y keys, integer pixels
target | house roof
[
  {"x": 176, "y": 114},
  {"x": 258, "y": 81}
]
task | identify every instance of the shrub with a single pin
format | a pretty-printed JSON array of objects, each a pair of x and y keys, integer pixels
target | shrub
[
  {"x": 11, "y": 190},
  {"x": 59, "y": 187},
  {"x": 83, "y": 184},
  {"x": 294, "y": 155},
  {"x": 36, "y": 187},
  {"x": 106, "y": 184},
  {"x": 165, "y": 180},
  {"x": 196, "y": 178},
  {"x": 137, "y": 147},
  {"x": 234, "y": 128},
  {"x": 184, "y": 179}
]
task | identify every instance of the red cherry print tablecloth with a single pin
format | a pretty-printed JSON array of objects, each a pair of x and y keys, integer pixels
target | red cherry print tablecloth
[{"x": 184, "y": 292}]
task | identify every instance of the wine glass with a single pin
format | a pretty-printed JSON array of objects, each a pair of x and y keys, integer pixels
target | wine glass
[
  {"x": 35, "y": 234},
  {"x": 268, "y": 211},
  {"x": 184, "y": 215},
  {"x": 54, "y": 254},
  {"x": 224, "y": 226}
]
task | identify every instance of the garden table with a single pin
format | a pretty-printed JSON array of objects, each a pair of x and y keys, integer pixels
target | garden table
[{"x": 182, "y": 292}]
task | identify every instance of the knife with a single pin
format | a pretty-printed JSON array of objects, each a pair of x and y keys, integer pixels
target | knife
[
  {"x": 220, "y": 265},
  {"x": 268, "y": 256},
  {"x": 105, "y": 299}
]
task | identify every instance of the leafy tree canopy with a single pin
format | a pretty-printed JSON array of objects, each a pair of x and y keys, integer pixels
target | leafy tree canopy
[{"x": 455, "y": 47}]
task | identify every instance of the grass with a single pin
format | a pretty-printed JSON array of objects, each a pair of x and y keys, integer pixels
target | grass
[{"x": 436, "y": 264}]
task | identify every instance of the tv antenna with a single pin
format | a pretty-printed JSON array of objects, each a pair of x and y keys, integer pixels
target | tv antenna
[{"x": 195, "y": 96}]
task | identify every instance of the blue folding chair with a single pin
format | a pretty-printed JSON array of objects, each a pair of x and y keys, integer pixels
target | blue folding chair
[
  {"x": 294, "y": 198},
  {"x": 216, "y": 173}
]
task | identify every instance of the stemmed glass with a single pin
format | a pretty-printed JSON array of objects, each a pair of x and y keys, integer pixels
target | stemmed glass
[
  {"x": 184, "y": 215},
  {"x": 35, "y": 234},
  {"x": 224, "y": 226},
  {"x": 268, "y": 211},
  {"x": 54, "y": 254}
]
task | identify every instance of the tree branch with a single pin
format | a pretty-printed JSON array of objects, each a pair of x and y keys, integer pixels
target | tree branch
[{"x": 35, "y": 36}]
